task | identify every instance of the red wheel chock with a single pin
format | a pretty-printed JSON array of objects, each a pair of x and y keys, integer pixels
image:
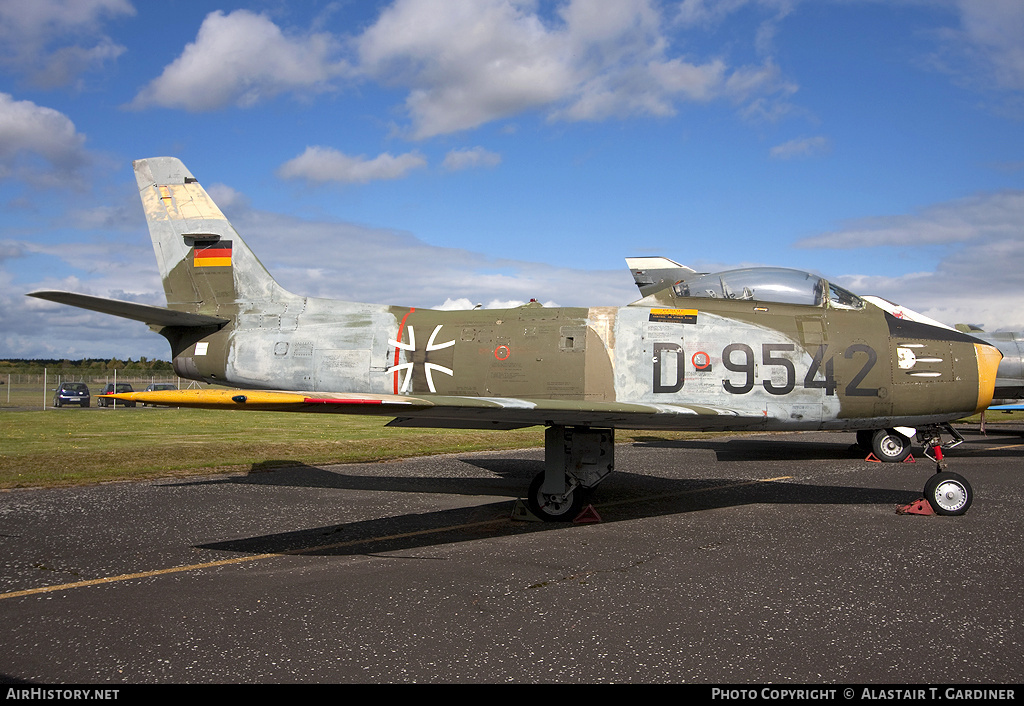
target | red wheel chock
[
  {"x": 587, "y": 516},
  {"x": 871, "y": 458},
  {"x": 918, "y": 507}
]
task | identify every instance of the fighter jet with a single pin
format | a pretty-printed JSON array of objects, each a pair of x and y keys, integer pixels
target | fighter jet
[{"x": 752, "y": 349}]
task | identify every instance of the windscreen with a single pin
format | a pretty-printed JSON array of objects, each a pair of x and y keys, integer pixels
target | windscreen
[{"x": 768, "y": 284}]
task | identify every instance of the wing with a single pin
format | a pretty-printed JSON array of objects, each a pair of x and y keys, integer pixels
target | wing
[{"x": 464, "y": 412}]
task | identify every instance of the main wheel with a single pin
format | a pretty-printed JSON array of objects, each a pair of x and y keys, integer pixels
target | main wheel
[
  {"x": 948, "y": 493},
  {"x": 890, "y": 446},
  {"x": 553, "y": 508}
]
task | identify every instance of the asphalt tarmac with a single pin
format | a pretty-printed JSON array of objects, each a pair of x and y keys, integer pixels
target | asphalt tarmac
[{"x": 727, "y": 560}]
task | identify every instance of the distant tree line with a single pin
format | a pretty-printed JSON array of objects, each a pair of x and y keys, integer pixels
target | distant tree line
[{"x": 85, "y": 366}]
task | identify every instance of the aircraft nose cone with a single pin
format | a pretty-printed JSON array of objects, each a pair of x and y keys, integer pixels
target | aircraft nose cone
[{"x": 988, "y": 364}]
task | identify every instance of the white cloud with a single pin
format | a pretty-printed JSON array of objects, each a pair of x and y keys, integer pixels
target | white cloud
[
  {"x": 990, "y": 42},
  {"x": 984, "y": 218},
  {"x": 471, "y": 158},
  {"x": 981, "y": 274},
  {"x": 475, "y": 62},
  {"x": 387, "y": 266},
  {"x": 33, "y": 328},
  {"x": 38, "y": 145},
  {"x": 706, "y": 12},
  {"x": 803, "y": 147},
  {"x": 52, "y": 42},
  {"x": 482, "y": 60},
  {"x": 323, "y": 164},
  {"x": 241, "y": 59}
]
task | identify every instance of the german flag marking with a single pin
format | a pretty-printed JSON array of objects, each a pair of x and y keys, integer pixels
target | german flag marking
[{"x": 213, "y": 255}]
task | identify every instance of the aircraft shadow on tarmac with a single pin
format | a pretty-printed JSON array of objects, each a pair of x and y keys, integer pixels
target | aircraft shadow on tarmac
[
  {"x": 624, "y": 496},
  {"x": 514, "y": 476},
  {"x": 509, "y": 476},
  {"x": 782, "y": 447}
]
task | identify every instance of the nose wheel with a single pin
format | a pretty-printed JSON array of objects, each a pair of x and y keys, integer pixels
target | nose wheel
[{"x": 948, "y": 493}]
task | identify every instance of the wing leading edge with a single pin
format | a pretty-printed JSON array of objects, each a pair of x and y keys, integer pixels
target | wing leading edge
[{"x": 463, "y": 412}]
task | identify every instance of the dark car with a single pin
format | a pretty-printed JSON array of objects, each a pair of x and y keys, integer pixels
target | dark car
[
  {"x": 71, "y": 393},
  {"x": 158, "y": 386},
  {"x": 109, "y": 389}
]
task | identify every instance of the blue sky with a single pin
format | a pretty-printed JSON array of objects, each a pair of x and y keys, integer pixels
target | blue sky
[{"x": 453, "y": 152}]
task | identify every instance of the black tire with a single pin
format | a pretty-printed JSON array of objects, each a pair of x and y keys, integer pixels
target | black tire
[
  {"x": 948, "y": 493},
  {"x": 553, "y": 509},
  {"x": 890, "y": 446}
]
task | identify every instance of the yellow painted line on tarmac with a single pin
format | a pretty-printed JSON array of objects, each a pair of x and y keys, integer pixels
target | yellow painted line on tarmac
[
  {"x": 350, "y": 543},
  {"x": 241, "y": 560},
  {"x": 1000, "y": 448},
  {"x": 987, "y": 448}
]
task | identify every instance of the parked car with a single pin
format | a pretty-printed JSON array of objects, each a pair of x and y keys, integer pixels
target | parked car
[
  {"x": 109, "y": 389},
  {"x": 157, "y": 386},
  {"x": 71, "y": 393}
]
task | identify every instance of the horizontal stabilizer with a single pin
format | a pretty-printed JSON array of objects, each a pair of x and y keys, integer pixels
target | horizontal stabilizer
[{"x": 152, "y": 315}]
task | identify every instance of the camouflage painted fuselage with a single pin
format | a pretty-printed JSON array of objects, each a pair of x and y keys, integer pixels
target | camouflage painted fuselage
[{"x": 797, "y": 367}]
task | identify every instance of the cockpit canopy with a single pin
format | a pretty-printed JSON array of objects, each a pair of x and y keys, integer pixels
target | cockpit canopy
[{"x": 768, "y": 284}]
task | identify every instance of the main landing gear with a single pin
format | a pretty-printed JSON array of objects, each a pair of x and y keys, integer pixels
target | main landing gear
[
  {"x": 576, "y": 460},
  {"x": 948, "y": 493}
]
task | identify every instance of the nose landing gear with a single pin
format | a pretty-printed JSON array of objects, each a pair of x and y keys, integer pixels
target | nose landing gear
[{"x": 948, "y": 493}]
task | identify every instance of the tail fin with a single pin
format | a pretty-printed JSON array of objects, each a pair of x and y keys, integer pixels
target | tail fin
[{"x": 205, "y": 265}]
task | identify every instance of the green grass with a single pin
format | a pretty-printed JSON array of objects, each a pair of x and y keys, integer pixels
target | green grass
[
  {"x": 60, "y": 447},
  {"x": 71, "y": 446}
]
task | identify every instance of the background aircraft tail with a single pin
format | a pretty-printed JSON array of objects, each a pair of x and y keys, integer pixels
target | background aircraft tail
[{"x": 205, "y": 265}]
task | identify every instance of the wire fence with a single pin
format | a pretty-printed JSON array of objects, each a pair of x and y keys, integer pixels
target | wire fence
[{"x": 38, "y": 390}]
